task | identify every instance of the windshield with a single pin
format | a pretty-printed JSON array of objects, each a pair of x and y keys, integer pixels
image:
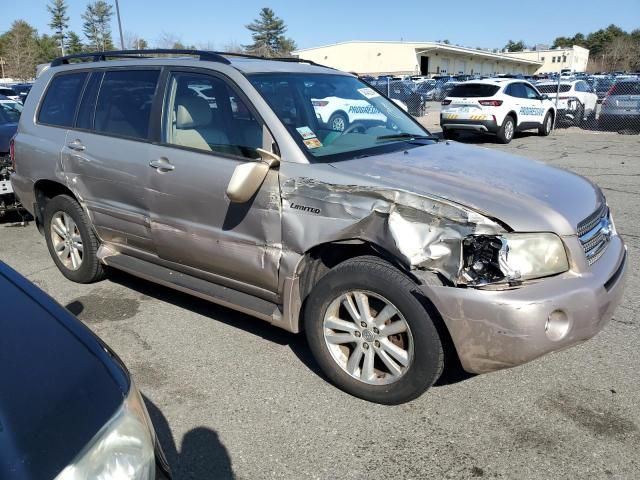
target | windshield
[
  {"x": 336, "y": 117},
  {"x": 553, "y": 88}
]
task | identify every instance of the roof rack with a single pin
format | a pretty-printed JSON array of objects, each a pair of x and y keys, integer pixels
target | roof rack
[
  {"x": 203, "y": 55},
  {"x": 103, "y": 56}
]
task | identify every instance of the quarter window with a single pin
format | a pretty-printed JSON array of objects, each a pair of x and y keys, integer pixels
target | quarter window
[
  {"x": 124, "y": 103},
  {"x": 203, "y": 112},
  {"x": 59, "y": 104}
]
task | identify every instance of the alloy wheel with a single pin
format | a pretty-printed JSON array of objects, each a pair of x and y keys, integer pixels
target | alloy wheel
[
  {"x": 368, "y": 337},
  {"x": 66, "y": 240}
]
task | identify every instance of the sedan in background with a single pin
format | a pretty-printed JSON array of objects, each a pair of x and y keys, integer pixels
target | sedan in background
[
  {"x": 68, "y": 409},
  {"x": 621, "y": 107}
]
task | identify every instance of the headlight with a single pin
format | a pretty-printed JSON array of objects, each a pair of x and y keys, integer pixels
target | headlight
[
  {"x": 122, "y": 449},
  {"x": 512, "y": 257}
]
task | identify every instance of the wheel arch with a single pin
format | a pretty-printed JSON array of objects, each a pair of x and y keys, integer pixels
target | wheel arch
[
  {"x": 44, "y": 190},
  {"x": 319, "y": 260},
  {"x": 511, "y": 113}
]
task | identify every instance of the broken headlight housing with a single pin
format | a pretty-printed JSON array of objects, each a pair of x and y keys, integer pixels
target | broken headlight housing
[
  {"x": 123, "y": 448},
  {"x": 512, "y": 257}
]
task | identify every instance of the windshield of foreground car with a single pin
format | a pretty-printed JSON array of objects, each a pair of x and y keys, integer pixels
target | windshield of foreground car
[{"x": 337, "y": 117}]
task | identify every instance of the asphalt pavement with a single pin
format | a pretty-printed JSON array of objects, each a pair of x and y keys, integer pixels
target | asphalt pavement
[{"x": 233, "y": 397}]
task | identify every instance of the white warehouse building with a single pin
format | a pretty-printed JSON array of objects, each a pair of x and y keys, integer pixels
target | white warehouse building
[
  {"x": 574, "y": 59},
  {"x": 416, "y": 58}
]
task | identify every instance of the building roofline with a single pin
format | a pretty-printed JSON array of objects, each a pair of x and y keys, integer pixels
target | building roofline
[{"x": 427, "y": 45}]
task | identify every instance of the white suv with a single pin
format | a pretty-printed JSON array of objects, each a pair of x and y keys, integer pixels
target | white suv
[
  {"x": 577, "y": 101},
  {"x": 496, "y": 106}
]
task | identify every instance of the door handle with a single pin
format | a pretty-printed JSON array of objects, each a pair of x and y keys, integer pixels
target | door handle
[
  {"x": 162, "y": 165},
  {"x": 76, "y": 145}
]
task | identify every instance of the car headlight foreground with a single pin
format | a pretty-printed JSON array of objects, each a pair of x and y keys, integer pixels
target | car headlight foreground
[
  {"x": 122, "y": 449},
  {"x": 512, "y": 257}
]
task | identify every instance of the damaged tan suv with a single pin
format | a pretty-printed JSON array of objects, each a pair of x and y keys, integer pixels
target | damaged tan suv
[{"x": 213, "y": 174}]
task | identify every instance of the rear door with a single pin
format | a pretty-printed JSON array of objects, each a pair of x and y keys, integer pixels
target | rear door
[
  {"x": 535, "y": 109},
  {"x": 105, "y": 154}
]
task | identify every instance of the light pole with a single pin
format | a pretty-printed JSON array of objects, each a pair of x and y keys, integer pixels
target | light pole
[{"x": 119, "y": 26}]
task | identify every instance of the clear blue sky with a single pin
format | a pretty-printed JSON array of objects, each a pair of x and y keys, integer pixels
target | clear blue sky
[{"x": 486, "y": 23}]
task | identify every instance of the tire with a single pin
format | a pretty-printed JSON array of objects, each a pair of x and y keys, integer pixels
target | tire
[
  {"x": 547, "y": 125},
  {"x": 384, "y": 286},
  {"x": 338, "y": 122},
  {"x": 579, "y": 117},
  {"x": 449, "y": 134},
  {"x": 67, "y": 216},
  {"x": 507, "y": 130}
]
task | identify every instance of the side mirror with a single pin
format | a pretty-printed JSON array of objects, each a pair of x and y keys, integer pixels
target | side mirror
[
  {"x": 248, "y": 177},
  {"x": 544, "y": 96}
]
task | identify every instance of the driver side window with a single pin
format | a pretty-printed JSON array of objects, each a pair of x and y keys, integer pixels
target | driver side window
[{"x": 204, "y": 113}]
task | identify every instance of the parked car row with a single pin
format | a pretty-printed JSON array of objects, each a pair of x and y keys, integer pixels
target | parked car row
[{"x": 16, "y": 91}]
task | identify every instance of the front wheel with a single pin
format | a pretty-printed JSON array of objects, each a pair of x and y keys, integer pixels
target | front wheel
[
  {"x": 370, "y": 334},
  {"x": 547, "y": 125}
]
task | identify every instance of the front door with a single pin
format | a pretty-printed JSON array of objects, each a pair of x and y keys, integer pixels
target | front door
[{"x": 208, "y": 130}]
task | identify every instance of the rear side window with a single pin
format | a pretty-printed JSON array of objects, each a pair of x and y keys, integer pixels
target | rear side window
[
  {"x": 61, "y": 99},
  {"x": 124, "y": 103},
  {"x": 88, "y": 104},
  {"x": 472, "y": 90},
  {"x": 626, "y": 88},
  {"x": 8, "y": 92}
]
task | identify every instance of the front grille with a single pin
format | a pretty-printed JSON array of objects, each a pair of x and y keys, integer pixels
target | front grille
[
  {"x": 595, "y": 232},
  {"x": 592, "y": 220}
]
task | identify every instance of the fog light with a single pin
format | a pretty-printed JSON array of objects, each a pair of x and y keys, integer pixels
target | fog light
[{"x": 557, "y": 325}]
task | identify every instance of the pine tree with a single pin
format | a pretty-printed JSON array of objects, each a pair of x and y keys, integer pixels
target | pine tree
[
  {"x": 74, "y": 44},
  {"x": 268, "y": 33},
  {"x": 97, "y": 25},
  {"x": 59, "y": 21}
]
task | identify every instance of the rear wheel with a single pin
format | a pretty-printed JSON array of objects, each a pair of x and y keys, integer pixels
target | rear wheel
[
  {"x": 369, "y": 333},
  {"x": 507, "y": 130},
  {"x": 579, "y": 116},
  {"x": 71, "y": 242},
  {"x": 547, "y": 125},
  {"x": 338, "y": 122}
]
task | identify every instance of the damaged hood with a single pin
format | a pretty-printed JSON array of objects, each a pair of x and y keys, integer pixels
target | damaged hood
[{"x": 527, "y": 195}]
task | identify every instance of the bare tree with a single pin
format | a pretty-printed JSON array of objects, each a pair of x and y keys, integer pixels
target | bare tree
[
  {"x": 167, "y": 40},
  {"x": 232, "y": 47}
]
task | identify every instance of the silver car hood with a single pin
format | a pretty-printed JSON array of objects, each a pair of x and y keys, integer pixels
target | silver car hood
[{"x": 526, "y": 195}]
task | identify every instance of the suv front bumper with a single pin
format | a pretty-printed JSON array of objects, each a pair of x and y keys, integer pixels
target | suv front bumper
[{"x": 496, "y": 329}]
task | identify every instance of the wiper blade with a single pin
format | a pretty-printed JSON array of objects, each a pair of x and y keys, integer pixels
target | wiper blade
[{"x": 407, "y": 136}]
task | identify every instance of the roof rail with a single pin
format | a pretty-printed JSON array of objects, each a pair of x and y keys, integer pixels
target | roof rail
[
  {"x": 204, "y": 55},
  {"x": 103, "y": 56}
]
